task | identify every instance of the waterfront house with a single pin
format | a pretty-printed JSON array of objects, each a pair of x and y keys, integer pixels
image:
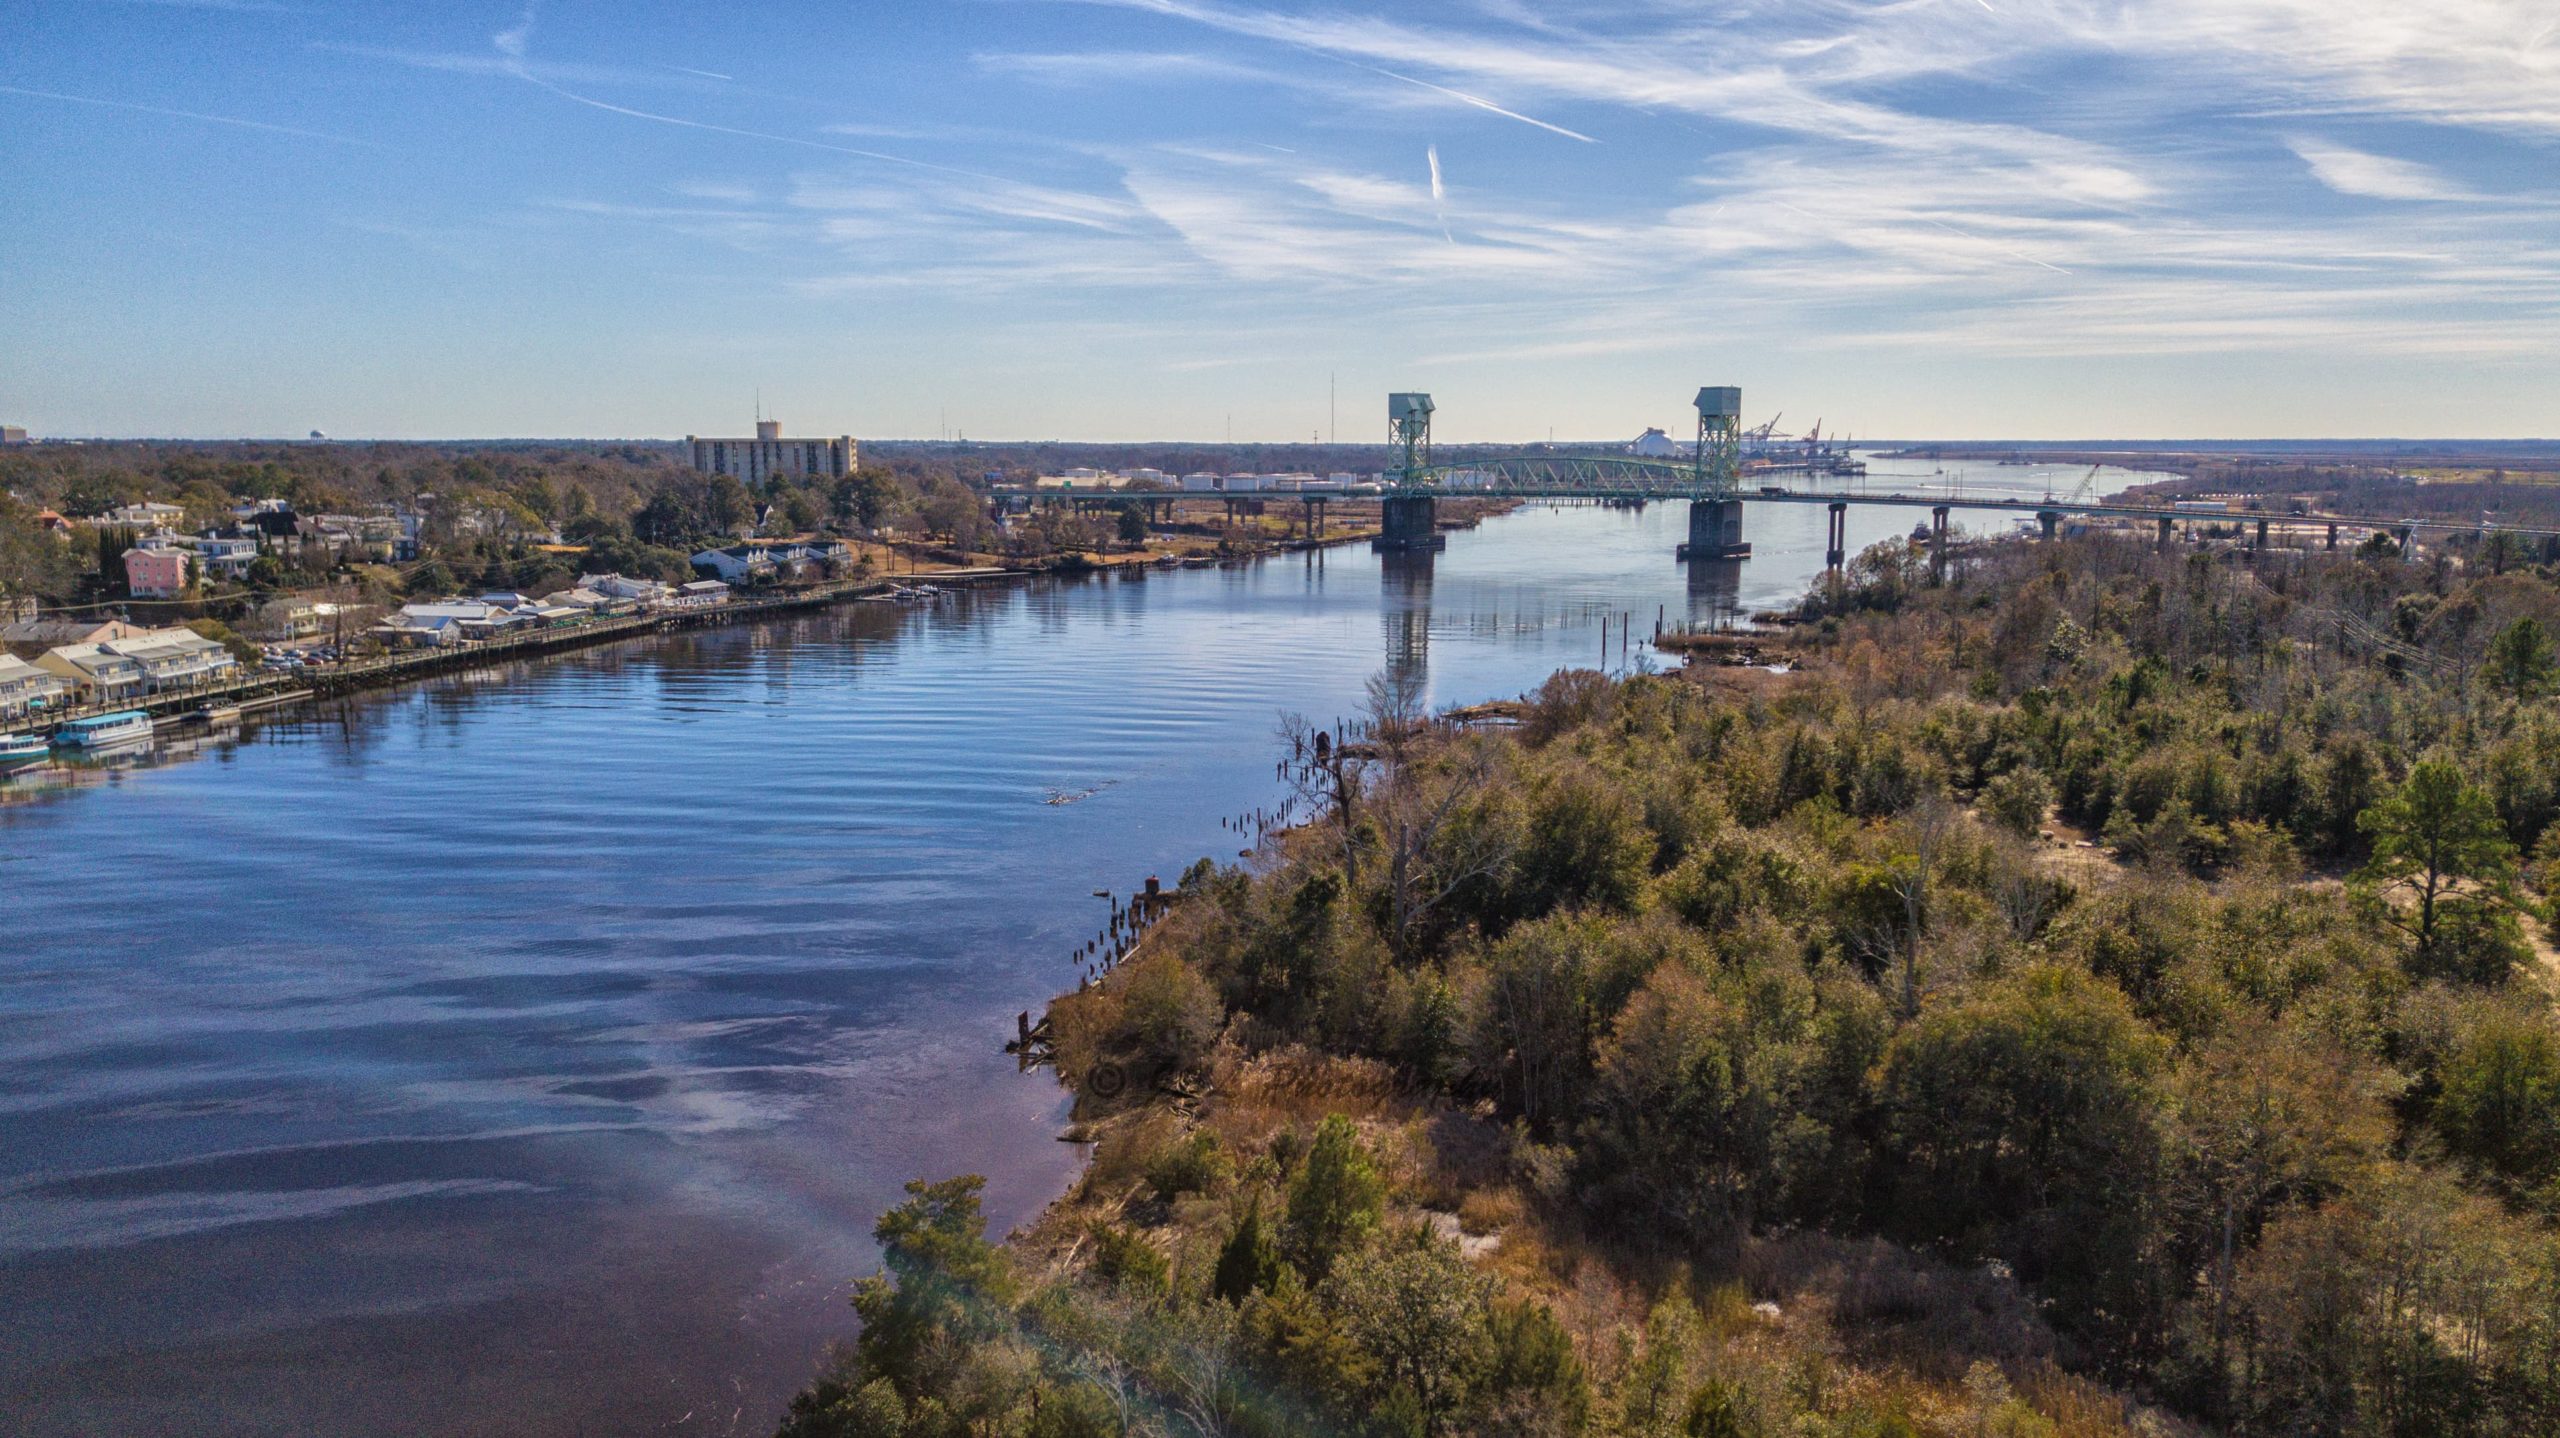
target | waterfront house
[
  {"x": 96, "y": 675},
  {"x": 25, "y": 689},
  {"x": 583, "y": 601},
  {"x": 288, "y": 619},
  {"x": 174, "y": 659},
  {"x": 738, "y": 564},
  {"x": 156, "y": 573},
  {"x": 759, "y": 561},
  {"x": 452, "y": 621},
  {"x": 646, "y": 593},
  {"x": 700, "y": 594}
]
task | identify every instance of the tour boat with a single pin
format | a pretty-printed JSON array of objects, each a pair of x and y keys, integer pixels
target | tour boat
[
  {"x": 20, "y": 751},
  {"x": 100, "y": 731}
]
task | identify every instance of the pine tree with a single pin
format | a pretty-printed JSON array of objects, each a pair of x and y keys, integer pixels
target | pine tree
[{"x": 1250, "y": 1263}]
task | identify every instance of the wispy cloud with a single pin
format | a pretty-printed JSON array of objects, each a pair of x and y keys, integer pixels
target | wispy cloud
[
  {"x": 514, "y": 45},
  {"x": 2355, "y": 172},
  {"x": 1821, "y": 171}
]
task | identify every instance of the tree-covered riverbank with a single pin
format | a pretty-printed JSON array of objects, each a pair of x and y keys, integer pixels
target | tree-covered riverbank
[{"x": 2107, "y": 994}]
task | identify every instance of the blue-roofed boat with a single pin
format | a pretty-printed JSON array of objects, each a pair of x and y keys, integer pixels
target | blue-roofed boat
[{"x": 99, "y": 731}]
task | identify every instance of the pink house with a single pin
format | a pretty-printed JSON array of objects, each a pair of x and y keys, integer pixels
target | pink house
[{"x": 156, "y": 573}]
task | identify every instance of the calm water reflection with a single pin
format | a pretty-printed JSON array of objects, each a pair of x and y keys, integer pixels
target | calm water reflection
[{"x": 530, "y": 1051}]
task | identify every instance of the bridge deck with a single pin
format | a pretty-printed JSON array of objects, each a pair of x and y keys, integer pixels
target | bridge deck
[{"x": 2015, "y": 504}]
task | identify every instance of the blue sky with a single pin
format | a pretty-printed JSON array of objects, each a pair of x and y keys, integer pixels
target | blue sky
[{"x": 1115, "y": 219}]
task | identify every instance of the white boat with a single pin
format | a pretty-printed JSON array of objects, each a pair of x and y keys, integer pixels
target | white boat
[
  {"x": 22, "y": 751},
  {"x": 103, "y": 730}
]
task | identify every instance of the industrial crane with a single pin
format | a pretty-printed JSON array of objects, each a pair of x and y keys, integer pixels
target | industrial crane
[{"x": 2080, "y": 492}]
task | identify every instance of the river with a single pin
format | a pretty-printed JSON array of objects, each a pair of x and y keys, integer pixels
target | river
[{"x": 529, "y": 1051}]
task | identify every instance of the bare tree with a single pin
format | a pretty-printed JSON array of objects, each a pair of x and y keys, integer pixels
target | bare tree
[
  {"x": 1406, "y": 787},
  {"x": 1911, "y": 876}
]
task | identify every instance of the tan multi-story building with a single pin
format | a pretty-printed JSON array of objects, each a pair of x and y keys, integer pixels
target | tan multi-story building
[{"x": 768, "y": 454}]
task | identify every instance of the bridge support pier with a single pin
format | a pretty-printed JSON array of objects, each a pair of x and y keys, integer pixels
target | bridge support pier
[
  {"x": 2333, "y": 536},
  {"x": 2262, "y": 535},
  {"x": 1715, "y": 530},
  {"x": 1836, "y": 549},
  {"x": 2164, "y": 534},
  {"x": 1408, "y": 522},
  {"x": 2049, "y": 521}
]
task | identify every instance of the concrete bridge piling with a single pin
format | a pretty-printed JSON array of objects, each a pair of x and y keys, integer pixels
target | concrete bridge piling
[
  {"x": 1715, "y": 530},
  {"x": 1408, "y": 522}
]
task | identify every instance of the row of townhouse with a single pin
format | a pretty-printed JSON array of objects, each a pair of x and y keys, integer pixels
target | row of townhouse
[
  {"x": 130, "y": 665},
  {"x": 765, "y": 561},
  {"x": 468, "y": 621},
  {"x": 26, "y": 689}
]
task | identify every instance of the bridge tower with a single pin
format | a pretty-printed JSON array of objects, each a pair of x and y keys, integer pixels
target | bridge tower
[
  {"x": 1409, "y": 518},
  {"x": 1715, "y": 519}
]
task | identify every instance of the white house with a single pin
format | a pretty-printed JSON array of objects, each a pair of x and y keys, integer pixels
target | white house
[
  {"x": 762, "y": 559},
  {"x": 583, "y": 600},
  {"x": 454, "y": 621},
  {"x": 701, "y": 594},
  {"x": 629, "y": 591},
  {"x": 174, "y": 658},
  {"x": 24, "y": 688},
  {"x": 227, "y": 555}
]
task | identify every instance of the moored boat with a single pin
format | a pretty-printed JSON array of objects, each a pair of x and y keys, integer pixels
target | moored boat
[
  {"x": 22, "y": 751},
  {"x": 100, "y": 731}
]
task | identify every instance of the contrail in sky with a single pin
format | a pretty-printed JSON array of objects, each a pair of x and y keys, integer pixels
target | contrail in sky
[
  {"x": 185, "y": 115},
  {"x": 1439, "y": 193},
  {"x": 1478, "y": 101},
  {"x": 514, "y": 41}
]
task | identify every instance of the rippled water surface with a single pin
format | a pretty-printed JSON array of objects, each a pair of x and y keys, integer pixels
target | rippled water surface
[{"x": 529, "y": 1051}]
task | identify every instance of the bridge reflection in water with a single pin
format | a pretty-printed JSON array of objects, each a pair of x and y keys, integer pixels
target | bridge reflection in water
[
  {"x": 1715, "y": 593},
  {"x": 1404, "y": 613}
]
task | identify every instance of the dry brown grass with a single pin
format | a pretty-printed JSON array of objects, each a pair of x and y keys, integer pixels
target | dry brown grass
[{"x": 1259, "y": 1095}]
